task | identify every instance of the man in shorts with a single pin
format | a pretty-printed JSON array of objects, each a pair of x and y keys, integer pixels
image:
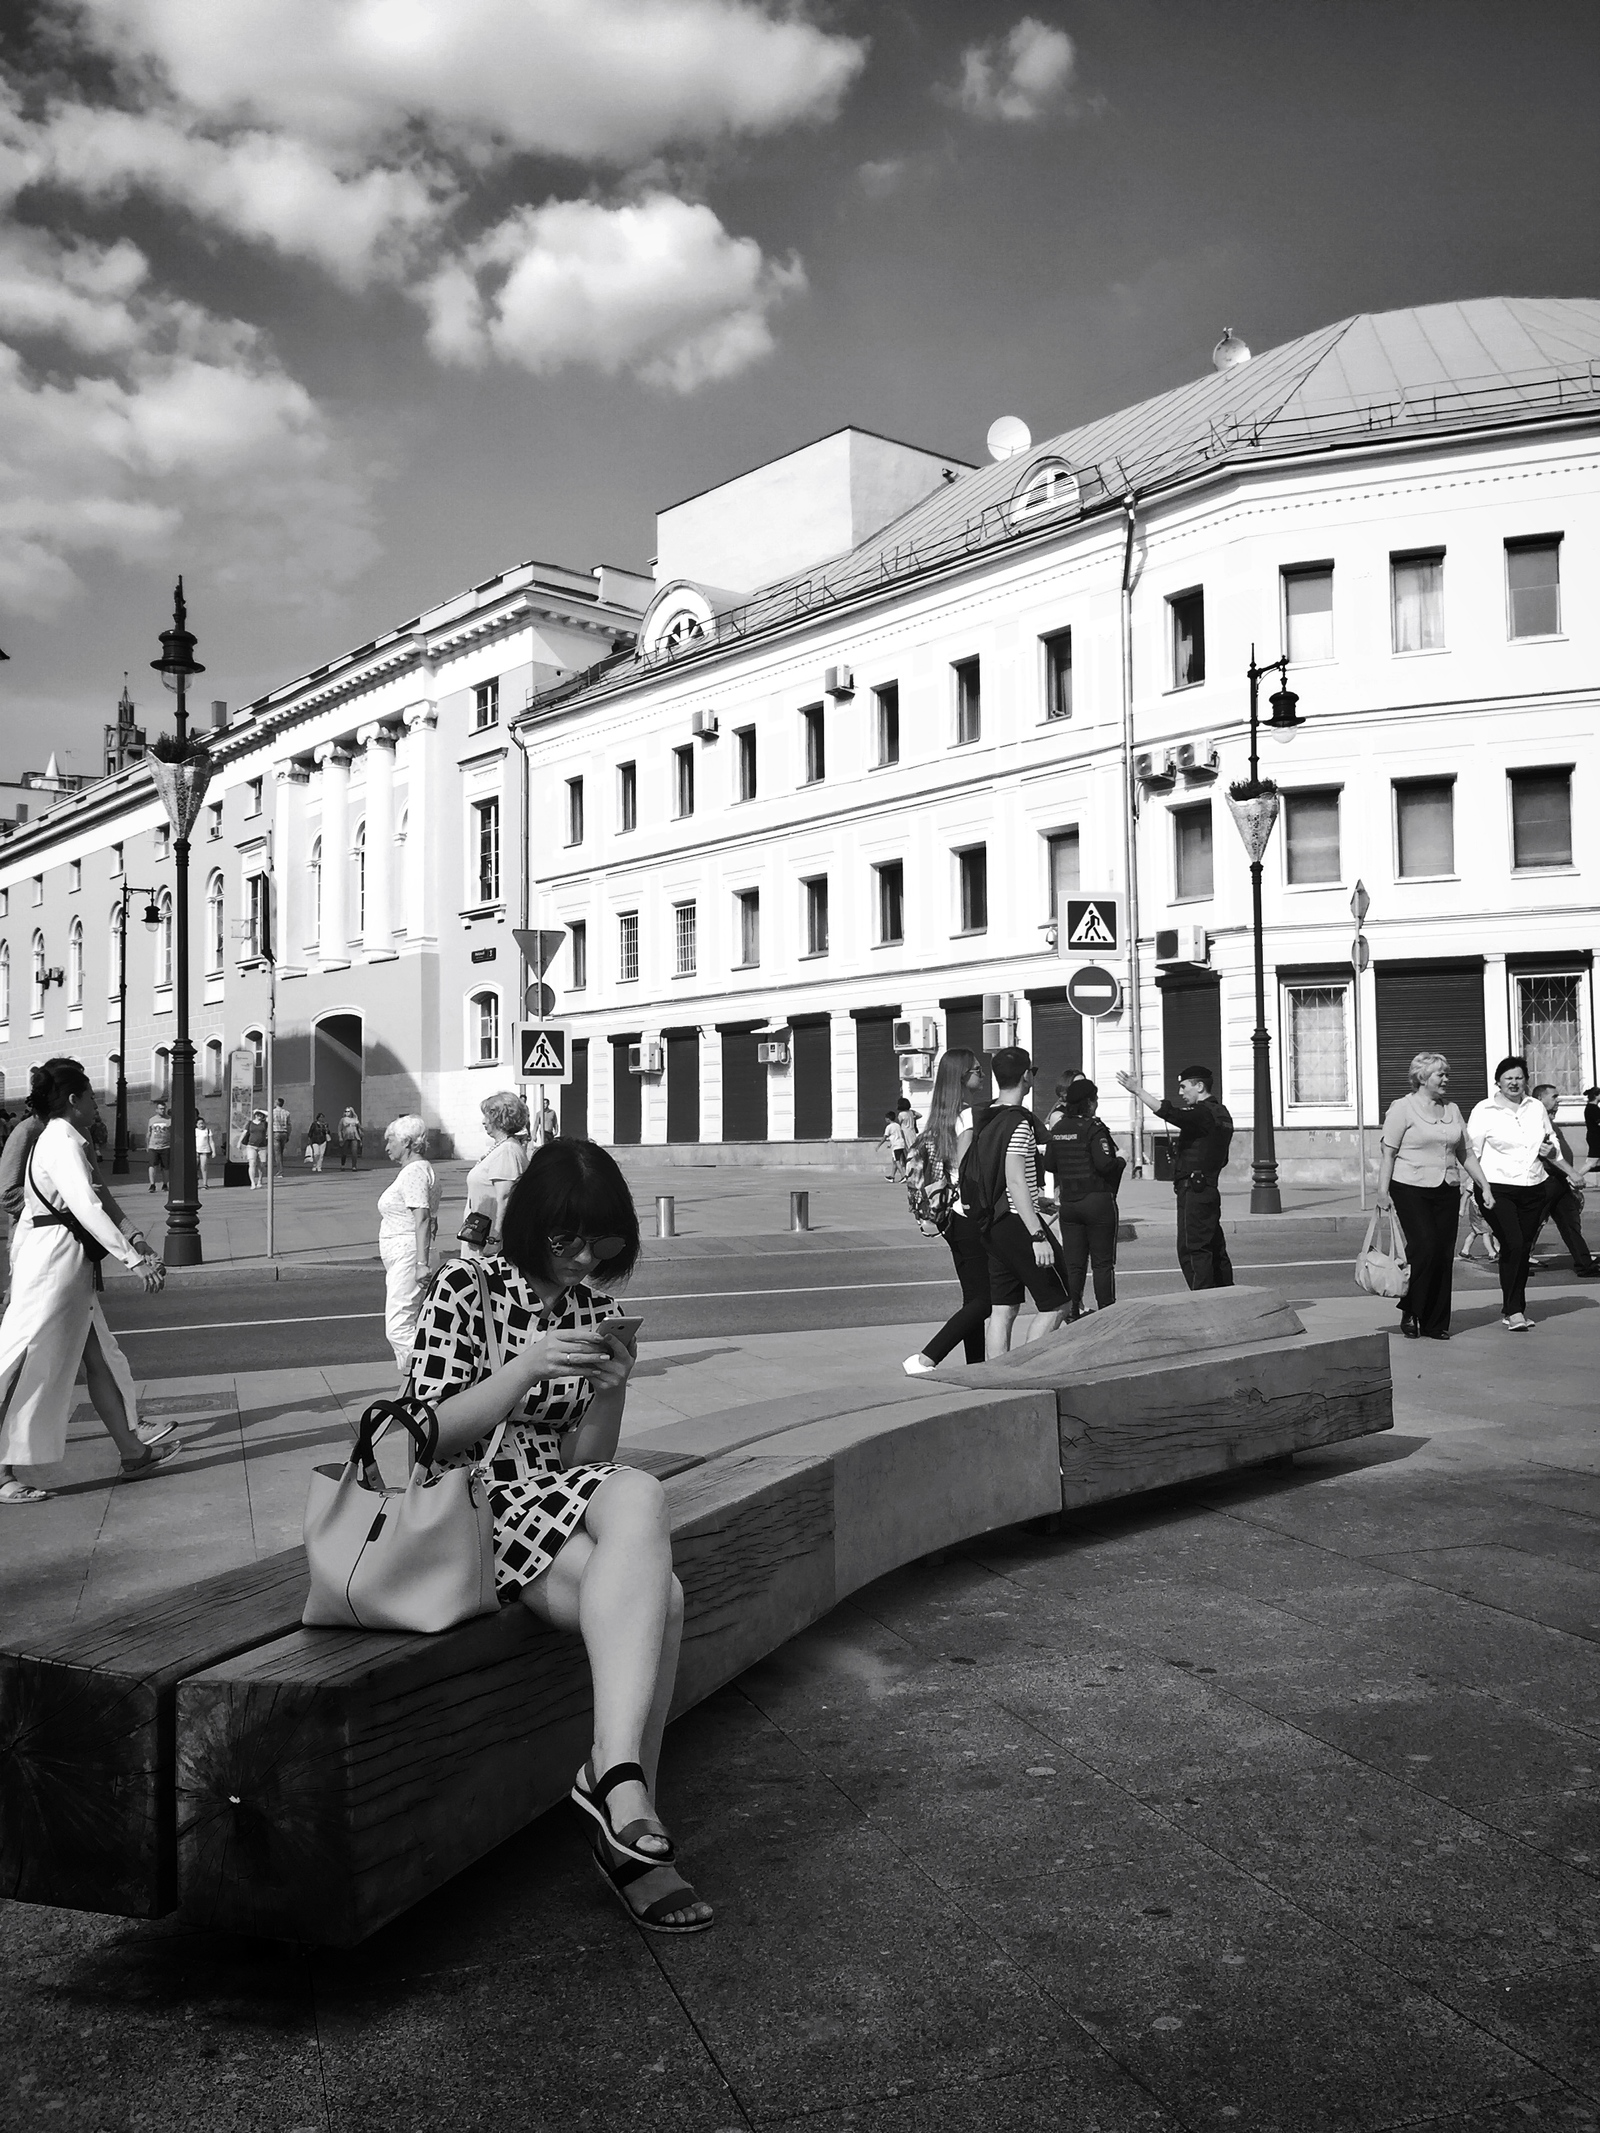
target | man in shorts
[{"x": 1022, "y": 1255}]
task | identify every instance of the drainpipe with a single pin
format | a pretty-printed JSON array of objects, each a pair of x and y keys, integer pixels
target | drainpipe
[{"x": 1130, "y": 843}]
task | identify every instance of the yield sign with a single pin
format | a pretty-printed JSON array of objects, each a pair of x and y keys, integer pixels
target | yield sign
[
  {"x": 544, "y": 1051},
  {"x": 1091, "y": 924},
  {"x": 539, "y": 945}
]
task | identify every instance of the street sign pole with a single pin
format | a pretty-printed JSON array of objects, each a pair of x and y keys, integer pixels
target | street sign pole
[{"x": 1360, "y": 956}]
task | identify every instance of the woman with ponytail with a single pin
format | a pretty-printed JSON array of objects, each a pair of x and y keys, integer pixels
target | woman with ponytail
[
  {"x": 63, "y": 1234},
  {"x": 931, "y": 1184}
]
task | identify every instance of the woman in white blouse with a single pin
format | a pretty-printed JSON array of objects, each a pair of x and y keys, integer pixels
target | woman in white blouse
[
  {"x": 1424, "y": 1152},
  {"x": 1511, "y": 1136}
]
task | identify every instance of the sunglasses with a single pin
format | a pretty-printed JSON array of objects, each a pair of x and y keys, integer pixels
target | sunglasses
[{"x": 566, "y": 1244}]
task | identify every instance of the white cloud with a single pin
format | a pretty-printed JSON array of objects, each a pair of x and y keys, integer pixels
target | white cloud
[
  {"x": 879, "y": 180},
  {"x": 1019, "y": 77},
  {"x": 656, "y": 286}
]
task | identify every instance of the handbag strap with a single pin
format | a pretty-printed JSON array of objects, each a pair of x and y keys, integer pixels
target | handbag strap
[{"x": 491, "y": 1340}]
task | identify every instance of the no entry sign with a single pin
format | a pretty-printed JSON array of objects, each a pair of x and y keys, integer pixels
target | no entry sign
[{"x": 1093, "y": 991}]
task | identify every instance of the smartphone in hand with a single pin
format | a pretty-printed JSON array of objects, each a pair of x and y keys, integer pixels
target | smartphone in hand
[{"x": 625, "y": 1331}]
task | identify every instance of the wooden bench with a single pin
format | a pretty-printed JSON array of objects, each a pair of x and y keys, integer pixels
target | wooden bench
[{"x": 312, "y": 1784}]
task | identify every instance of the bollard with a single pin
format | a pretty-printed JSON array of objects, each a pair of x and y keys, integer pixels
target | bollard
[
  {"x": 666, "y": 1215},
  {"x": 799, "y": 1210}
]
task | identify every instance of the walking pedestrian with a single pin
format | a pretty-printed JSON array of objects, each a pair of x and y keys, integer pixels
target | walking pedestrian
[
  {"x": 205, "y": 1147},
  {"x": 489, "y": 1181},
  {"x": 257, "y": 1135},
  {"x": 317, "y": 1141},
  {"x": 408, "y": 1218},
  {"x": 1205, "y": 1132},
  {"x": 1422, "y": 1154},
  {"x": 48, "y": 1328},
  {"x": 1081, "y": 1156},
  {"x": 1512, "y": 1138},
  {"x": 350, "y": 1137},
  {"x": 999, "y": 1181},
  {"x": 545, "y": 1125},
  {"x": 1563, "y": 1196},
  {"x": 582, "y": 1543},
  {"x": 1591, "y": 1128},
  {"x": 893, "y": 1145},
  {"x": 282, "y": 1127},
  {"x": 932, "y": 1172},
  {"x": 158, "y": 1141}
]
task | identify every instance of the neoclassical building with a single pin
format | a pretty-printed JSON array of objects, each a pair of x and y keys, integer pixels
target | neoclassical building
[
  {"x": 886, "y": 713},
  {"x": 365, "y": 826}
]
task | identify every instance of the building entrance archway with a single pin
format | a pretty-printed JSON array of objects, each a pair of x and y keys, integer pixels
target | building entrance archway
[{"x": 336, "y": 1067}]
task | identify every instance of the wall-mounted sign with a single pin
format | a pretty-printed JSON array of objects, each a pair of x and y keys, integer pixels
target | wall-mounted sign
[{"x": 483, "y": 955}]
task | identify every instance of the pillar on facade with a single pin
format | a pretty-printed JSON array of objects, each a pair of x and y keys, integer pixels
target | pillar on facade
[
  {"x": 333, "y": 941},
  {"x": 377, "y": 931},
  {"x": 288, "y": 858},
  {"x": 421, "y": 722}
]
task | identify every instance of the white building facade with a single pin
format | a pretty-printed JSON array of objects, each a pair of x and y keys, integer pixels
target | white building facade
[{"x": 854, "y": 790}]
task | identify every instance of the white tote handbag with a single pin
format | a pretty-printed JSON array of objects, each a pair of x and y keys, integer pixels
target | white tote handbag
[{"x": 1379, "y": 1272}]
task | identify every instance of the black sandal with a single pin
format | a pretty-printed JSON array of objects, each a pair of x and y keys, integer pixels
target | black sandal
[
  {"x": 622, "y": 1874},
  {"x": 592, "y": 1800}
]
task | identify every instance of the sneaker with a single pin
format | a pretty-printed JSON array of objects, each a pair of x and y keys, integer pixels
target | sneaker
[
  {"x": 1518, "y": 1322},
  {"x": 917, "y": 1366}
]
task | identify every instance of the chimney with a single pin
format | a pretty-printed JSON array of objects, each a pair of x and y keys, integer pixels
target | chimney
[{"x": 219, "y": 714}]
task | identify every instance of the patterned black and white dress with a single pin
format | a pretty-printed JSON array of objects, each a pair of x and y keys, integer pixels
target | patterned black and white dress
[{"x": 538, "y": 1503}]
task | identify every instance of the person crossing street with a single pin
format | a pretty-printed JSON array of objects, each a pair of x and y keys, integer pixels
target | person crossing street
[{"x": 1205, "y": 1133}]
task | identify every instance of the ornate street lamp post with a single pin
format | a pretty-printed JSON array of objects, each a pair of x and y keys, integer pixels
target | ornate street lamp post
[
  {"x": 1254, "y": 803},
  {"x": 152, "y": 919},
  {"x": 181, "y": 766}
]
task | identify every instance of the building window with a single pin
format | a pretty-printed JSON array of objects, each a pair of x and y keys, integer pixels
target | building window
[
  {"x": 749, "y": 903},
  {"x": 38, "y": 890},
  {"x": 485, "y": 1028},
  {"x": 627, "y": 796},
  {"x": 36, "y": 996},
  {"x": 816, "y": 756},
  {"x": 214, "y": 823},
  {"x": 358, "y": 877},
  {"x": 74, "y": 876},
  {"x": 164, "y": 939},
  {"x": 1550, "y": 1026},
  {"x": 252, "y": 796},
  {"x": 627, "y": 946},
  {"x": 1319, "y": 1051},
  {"x": 5, "y": 981},
  {"x": 486, "y": 850},
  {"x": 163, "y": 840},
  {"x": 75, "y": 963},
  {"x": 972, "y": 882},
  {"x": 685, "y": 945},
  {"x": 1191, "y": 852},
  {"x": 5, "y": 903},
  {"x": 1058, "y": 675},
  {"x": 1416, "y": 594},
  {"x": 486, "y": 710},
  {"x": 886, "y": 723},
  {"x": 1311, "y": 836},
  {"x": 744, "y": 755},
  {"x": 891, "y": 902},
  {"x": 1188, "y": 639},
  {"x": 114, "y": 949},
  {"x": 574, "y": 810},
  {"x": 161, "y": 1075},
  {"x": 683, "y": 781},
  {"x": 1541, "y": 818},
  {"x": 316, "y": 889},
  {"x": 259, "y": 942},
  {"x": 213, "y": 1068},
  {"x": 580, "y": 954},
  {"x": 216, "y": 931},
  {"x": 1424, "y": 826},
  {"x": 1533, "y": 587},
  {"x": 1308, "y": 615},
  {"x": 256, "y": 1044},
  {"x": 1062, "y": 854},
  {"x": 816, "y": 896},
  {"x": 116, "y": 861},
  {"x": 969, "y": 700}
]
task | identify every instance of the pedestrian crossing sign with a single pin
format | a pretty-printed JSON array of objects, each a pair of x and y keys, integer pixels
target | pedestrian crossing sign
[
  {"x": 1092, "y": 924},
  {"x": 544, "y": 1052}
]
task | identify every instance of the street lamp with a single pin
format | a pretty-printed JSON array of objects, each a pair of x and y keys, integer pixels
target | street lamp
[
  {"x": 1254, "y": 803},
  {"x": 181, "y": 767},
  {"x": 152, "y": 919}
]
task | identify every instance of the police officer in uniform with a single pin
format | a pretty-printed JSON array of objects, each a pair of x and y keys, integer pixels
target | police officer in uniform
[
  {"x": 1082, "y": 1157},
  {"x": 1205, "y": 1129}
]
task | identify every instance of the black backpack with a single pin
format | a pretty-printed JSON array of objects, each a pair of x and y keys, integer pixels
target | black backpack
[{"x": 982, "y": 1178}]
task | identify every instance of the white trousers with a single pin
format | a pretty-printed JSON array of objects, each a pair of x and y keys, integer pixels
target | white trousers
[{"x": 404, "y": 1287}]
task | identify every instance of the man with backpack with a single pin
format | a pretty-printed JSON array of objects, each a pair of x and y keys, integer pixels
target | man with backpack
[{"x": 1000, "y": 1192}]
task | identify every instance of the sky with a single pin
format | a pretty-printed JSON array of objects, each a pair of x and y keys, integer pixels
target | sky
[{"x": 340, "y": 306}]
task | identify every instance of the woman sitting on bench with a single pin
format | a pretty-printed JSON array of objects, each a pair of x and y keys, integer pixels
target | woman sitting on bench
[{"x": 582, "y": 1543}]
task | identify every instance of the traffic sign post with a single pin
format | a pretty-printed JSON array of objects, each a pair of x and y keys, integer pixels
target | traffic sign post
[
  {"x": 544, "y": 1051},
  {"x": 1360, "y": 960},
  {"x": 1091, "y": 923},
  {"x": 1094, "y": 992}
]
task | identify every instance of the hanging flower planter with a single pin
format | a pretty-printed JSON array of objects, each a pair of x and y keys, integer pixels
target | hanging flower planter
[
  {"x": 1254, "y": 808},
  {"x": 181, "y": 780}
]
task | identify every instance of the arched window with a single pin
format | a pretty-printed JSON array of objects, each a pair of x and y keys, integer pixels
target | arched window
[
  {"x": 5, "y": 981},
  {"x": 256, "y": 1043},
  {"x": 402, "y": 825},
  {"x": 358, "y": 880},
  {"x": 485, "y": 1020},
  {"x": 213, "y": 1080},
  {"x": 36, "y": 999},
  {"x": 164, "y": 939},
  {"x": 1047, "y": 487},
  {"x": 161, "y": 1075},
  {"x": 316, "y": 889},
  {"x": 216, "y": 928},
  {"x": 114, "y": 926},
  {"x": 75, "y": 963}
]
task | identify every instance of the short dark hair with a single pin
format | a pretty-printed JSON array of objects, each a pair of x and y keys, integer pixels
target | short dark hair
[
  {"x": 1008, "y": 1066},
  {"x": 1540, "y": 1087},
  {"x": 1201, "y": 1074},
  {"x": 570, "y": 1185},
  {"x": 1078, "y": 1096},
  {"x": 1512, "y": 1059}
]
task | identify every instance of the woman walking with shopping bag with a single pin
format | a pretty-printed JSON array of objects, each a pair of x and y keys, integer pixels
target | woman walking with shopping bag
[
  {"x": 1423, "y": 1152},
  {"x": 1511, "y": 1136}
]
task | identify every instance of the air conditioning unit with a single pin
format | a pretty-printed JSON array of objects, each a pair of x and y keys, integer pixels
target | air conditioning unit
[
  {"x": 1182, "y": 944},
  {"x": 1196, "y": 759},
  {"x": 916, "y": 1066},
  {"x": 644, "y": 1059},
  {"x": 917, "y": 1033},
  {"x": 703, "y": 725},
  {"x": 839, "y": 681},
  {"x": 999, "y": 1020},
  {"x": 1151, "y": 771},
  {"x": 773, "y": 1051}
]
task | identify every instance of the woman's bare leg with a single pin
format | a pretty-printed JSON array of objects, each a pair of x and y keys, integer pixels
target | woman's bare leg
[{"x": 106, "y": 1399}]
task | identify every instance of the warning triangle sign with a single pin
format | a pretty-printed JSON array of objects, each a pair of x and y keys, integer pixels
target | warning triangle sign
[
  {"x": 542, "y": 1056},
  {"x": 1094, "y": 928}
]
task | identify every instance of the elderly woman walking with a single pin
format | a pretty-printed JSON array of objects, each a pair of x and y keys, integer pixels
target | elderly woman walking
[
  {"x": 489, "y": 1181},
  {"x": 408, "y": 1216},
  {"x": 1423, "y": 1154},
  {"x": 1512, "y": 1138}
]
